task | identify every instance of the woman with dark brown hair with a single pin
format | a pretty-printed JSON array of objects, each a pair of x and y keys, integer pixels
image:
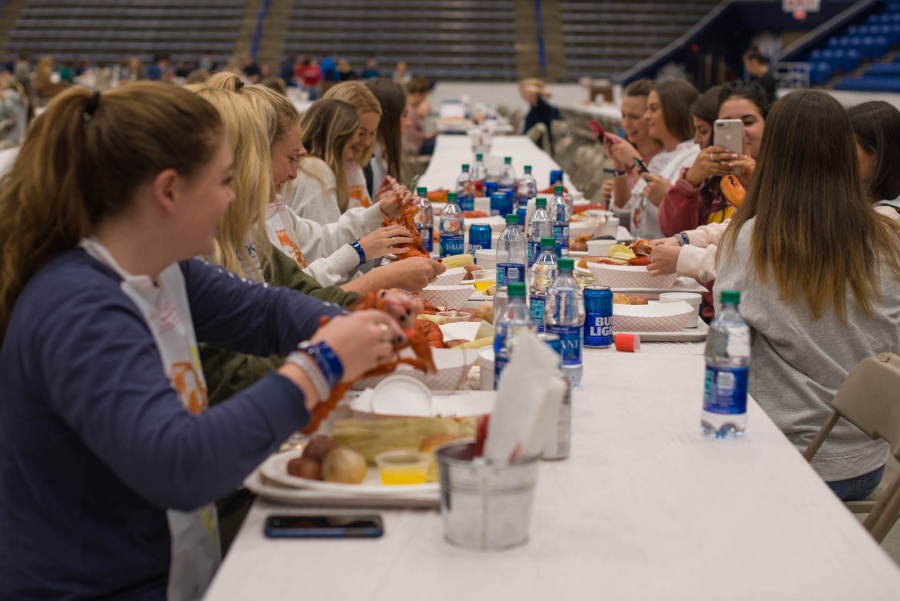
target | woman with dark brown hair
[
  {"x": 877, "y": 128},
  {"x": 389, "y": 141},
  {"x": 819, "y": 275},
  {"x": 668, "y": 119}
]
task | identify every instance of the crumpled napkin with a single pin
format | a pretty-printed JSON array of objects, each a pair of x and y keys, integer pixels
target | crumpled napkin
[{"x": 528, "y": 400}]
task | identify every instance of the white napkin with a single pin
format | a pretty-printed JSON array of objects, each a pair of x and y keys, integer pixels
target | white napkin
[{"x": 528, "y": 400}]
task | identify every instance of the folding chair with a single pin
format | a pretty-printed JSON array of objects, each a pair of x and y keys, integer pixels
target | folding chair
[{"x": 870, "y": 400}]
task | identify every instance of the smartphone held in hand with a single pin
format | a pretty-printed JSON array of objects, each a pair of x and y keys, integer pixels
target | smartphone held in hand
[
  {"x": 729, "y": 134},
  {"x": 324, "y": 526}
]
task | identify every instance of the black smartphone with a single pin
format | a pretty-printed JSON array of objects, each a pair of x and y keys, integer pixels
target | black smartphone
[
  {"x": 324, "y": 526},
  {"x": 641, "y": 165}
]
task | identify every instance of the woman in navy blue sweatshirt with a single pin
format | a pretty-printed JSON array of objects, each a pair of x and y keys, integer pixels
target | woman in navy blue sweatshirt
[{"x": 105, "y": 443}]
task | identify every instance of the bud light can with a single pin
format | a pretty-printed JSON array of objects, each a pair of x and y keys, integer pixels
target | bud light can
[
  {"x": 598, "y": 310},
  {"x": 479, "y": 237},
  {"x": 556, "y": 177},
  {"x": 500, "y": 204},
  {"x": 489, "y": 188},
  {"x": 521, "y": 213}
]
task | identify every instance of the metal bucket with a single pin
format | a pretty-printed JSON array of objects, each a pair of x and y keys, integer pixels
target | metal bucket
[{"x": 485, "y": 506}]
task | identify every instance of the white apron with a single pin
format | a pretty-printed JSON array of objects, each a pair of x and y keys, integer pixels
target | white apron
[{"x": 195, "y": 535}]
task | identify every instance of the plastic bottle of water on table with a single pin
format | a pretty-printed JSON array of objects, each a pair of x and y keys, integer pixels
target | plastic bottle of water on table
[
  {"x": 425, "y": 219},
  {"x": 564, "y": 315},
  {"x": 507, "y": 180},
  {"x": 538, "y": 228},
  {"x": 479, "y": 174},
  {"x": 511, "y": 254},
  {"x": 727, "y": 369},
  {"x": 465, "y": 189},
  {"x": 526, "y": 188},
  {"x": 543, "y": 274},
  {"x": 515, "y": 319},
  {"x": 559, "y": 214},
  {"x": 453, "y": 228}
]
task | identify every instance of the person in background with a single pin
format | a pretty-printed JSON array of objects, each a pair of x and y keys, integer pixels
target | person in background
[
  {"x": 401, "y": 75},
  {"x": 363, "y": 145},
  {"x": 535, "y": 93},
  {"x": 758, "y": 67},
  {"x": 103, "y": 419},
  {"x": 388, "y": 151},
  {"x": 371, "y": 70},
  {"x": 22, "y": 70},
  {"x": 417, "y": 91},
  {"x": 207, "y": 62},
  {"x": 703, "y": 114},
  {"x": 251, "y": 70},
  {"x": 310, "y": 77},
  {"x": 816, "y": 305},
  {"x": 876, "y": 125},
  {"x": 329, "y": 69},
  {"x": 15, "y": 106},
  {"x": 668, "y": 119},
  {"x": 345, "y": 71}
]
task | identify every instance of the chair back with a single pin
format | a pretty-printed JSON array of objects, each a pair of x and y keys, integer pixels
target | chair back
[{"x": 870, "y": 399}]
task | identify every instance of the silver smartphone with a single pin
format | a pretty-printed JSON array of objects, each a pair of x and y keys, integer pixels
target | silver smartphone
[{"x": 729, "y": 134}]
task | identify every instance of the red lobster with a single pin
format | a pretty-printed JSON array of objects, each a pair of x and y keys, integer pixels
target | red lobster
[
  {"x": 415, "y": 339},
  {"x": 407, "y": 219}
]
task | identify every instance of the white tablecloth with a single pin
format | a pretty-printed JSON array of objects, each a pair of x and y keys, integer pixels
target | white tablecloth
[
  {"x": 450, "y": 152},
  {"x": 645, "y": 508}
]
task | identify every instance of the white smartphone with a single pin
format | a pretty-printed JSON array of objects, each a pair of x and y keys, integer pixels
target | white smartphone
[{"x": 729, "y": 134}]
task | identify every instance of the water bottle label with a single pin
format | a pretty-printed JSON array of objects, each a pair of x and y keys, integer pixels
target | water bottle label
[
  {"x": 499, "y": 364},
  {"x": 725, "y": 390},
  {"x": 466, "y": 203},
  {"x": 537, "y": 310},
  {"x": 452, "y": 244},
  {"x": 534, "y": 249},
  {"x": 569, "y": 342},
  {"x": 561, "y": 233},
  {"x": 510, "y": 272},
  {"x": 427, "y": 236}
]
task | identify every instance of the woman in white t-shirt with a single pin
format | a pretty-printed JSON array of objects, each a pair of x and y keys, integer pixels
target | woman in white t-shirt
[{"x": 668, "y": 119}]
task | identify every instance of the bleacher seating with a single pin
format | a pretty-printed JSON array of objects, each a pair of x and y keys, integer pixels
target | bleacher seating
[
  {"x": 440, "y": 39},
  {"x": 844, "y": 53},
  {"x": 604, "y": 38},
  {"x": 111, "y": 30}
]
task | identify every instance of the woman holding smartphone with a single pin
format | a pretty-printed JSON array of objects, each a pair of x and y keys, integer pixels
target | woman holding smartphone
[
  {"x": 816, "y": 304},
  {"x": 696, "y": 197},
  {"x": 103, "y": 419},
  {"x": 668, "y": 120}
]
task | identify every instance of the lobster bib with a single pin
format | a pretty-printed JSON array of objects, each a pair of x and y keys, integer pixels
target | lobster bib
[{"x": 164, "y": 304}]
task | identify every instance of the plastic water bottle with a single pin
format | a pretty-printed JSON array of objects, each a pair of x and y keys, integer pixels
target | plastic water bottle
[
  {"x": 543, "y": 274},
  {"x": 727, "y": 368},
  {"x": 453, "y": 228},
  {"x": 507, "y": 181},
  {"x": 516, "y": 318},
  {"x": 425, "y": 219},
  {"x": 479, "y": 174},
  {"x": 511, "y": 253},
  {"x": 559, "y": 214},
  {"x": 526, "y": 188},
  {"x": 564, "y": 315},
  {"x": 538, "y": 228},
  {"x": 465, "y": 189}
]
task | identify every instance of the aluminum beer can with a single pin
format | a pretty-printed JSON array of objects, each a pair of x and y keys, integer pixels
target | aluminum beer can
[
  {"x": 598, "y": 310},
  {"x": 553, "y": 341},
  {"x": 489, "y": 188},
  {"x": 556, "y": 177},
  {"x": 479, "y": 237},
  {"x": 500, "y": 204}
]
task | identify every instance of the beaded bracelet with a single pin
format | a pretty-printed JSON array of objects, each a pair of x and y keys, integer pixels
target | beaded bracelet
[
  {"x": 359, "y": 251},
  {"x": 311, "y": 368}
]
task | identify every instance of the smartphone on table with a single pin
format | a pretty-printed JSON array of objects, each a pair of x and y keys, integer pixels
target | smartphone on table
[
  {"x": 324, "y": 526},
  {"x": 729, "y": 134}
]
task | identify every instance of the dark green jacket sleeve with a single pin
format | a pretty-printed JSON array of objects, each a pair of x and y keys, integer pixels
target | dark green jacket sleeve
[{"x": 228, "y": 372}]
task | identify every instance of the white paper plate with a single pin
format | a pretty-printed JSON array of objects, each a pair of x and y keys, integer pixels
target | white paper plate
[
  {"x": 451, "y": 277},
  {"x": 448, "y": 297},
  {"x": 629, "y": 276},
  {"x": 275, "y": 469},
  {"x": 697, "y": 334},
  {"x": 452, "y": 367},
  {"x": 467, "y": 330},
  {"x": 446, "y": 404},
  {"x": 654, "y": 317}
]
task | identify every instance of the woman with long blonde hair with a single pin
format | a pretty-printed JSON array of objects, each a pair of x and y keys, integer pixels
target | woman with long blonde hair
[{"x": 819, "y": 276}]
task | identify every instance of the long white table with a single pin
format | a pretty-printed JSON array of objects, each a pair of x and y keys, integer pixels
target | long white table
[
  {"x": 644, "y": 508},
  {"x": 450, "y": 152}
]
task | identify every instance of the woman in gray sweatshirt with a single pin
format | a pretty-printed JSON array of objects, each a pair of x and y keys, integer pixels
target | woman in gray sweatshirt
[{"x": 819, "y": 275}]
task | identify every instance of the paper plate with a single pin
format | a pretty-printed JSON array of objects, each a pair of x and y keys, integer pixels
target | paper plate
[
  {"x": 467, "y": 330},
  {"x": 459, "y": 404},
  {"x": 448, "y": 297},
  {"x": 628, "y": 276},
  {"x": 451, "y": 277},
  {"x": 577, "y": 228},
  {"x": 452, "y": 367},
  {"x": 275, "y": 469},
  {"x": 655, "y": 317}
]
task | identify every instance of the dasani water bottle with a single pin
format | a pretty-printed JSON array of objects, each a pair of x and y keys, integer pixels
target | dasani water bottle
[
  {"x": 564, "y": 315},
  {"x": 727, "y": 368}
]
